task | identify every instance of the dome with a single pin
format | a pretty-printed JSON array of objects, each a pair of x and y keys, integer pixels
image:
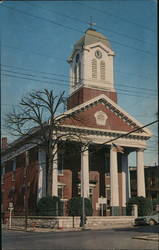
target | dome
[{"x": 91, "y": 36}]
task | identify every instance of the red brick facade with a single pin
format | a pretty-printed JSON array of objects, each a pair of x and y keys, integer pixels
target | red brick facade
[
  {"x": 87, "y": 119},
  {"x": 85, "y": 94},
  {"x": 14, "y": 182},
  {"x": 13, "y": 185}
]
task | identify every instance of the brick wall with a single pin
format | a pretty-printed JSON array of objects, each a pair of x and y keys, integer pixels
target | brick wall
[
  {"x": 87, "y": 119},
  {"x": 86, "y": 94}
]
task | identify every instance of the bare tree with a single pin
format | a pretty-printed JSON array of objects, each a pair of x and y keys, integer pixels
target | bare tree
[{"x": 36, "y": 121}]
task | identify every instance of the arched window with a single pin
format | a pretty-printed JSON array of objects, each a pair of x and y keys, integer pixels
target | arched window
[
  {"x": 75, "y": 74},
  {"x": 102, "y": 70},
  {"x": 94, "y": 69},
  {"x": 79, "y": 71}
]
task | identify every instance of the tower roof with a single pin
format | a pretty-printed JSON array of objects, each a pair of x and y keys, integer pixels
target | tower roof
[{"x": 91, "y": 36}]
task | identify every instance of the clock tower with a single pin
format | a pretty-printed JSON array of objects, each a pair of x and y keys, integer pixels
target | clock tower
[{"x": 91, "y": 69}]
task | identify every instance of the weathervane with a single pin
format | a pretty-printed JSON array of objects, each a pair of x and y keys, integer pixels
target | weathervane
[{"x": 91, "y": 23}]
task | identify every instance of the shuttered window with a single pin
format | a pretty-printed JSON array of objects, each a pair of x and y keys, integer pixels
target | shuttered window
[
  {"x": 75, "y": 74},
  {"x": 102, "y": 70},
  {"x": 79, "y": 71},
  {"x": 94, "y": 69}
]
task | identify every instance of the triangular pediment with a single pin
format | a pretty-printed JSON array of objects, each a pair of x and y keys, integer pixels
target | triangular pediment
[
  {"x": 104, "y": 114},
  {"x": 101, "y": 46}
]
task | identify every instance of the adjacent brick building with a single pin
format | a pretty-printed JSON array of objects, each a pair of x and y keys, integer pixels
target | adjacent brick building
[{"x": 151, "y": 181}]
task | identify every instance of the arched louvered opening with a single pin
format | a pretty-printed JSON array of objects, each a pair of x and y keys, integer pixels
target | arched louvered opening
[
  {"x": 102, "y": 70},
  {"x": 79, "y": 71},
  {"x": 94, "y": 69},
  {"x": 75, "y": 74}
]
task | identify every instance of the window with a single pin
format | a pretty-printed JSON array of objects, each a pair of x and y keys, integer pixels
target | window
[
  {"x": 2, "y": 174},
  {"x": 2, "y": 178},
  {"x": 107, "y": 191},
  {"x": 60, "y": 164},
  {"x": 79, "y": 71},
  {"x": 102, "y": 70},
  {"x": 79, "y": 191},
  {"x": 14, "y": 164},
  {"x": 94, "y": 69},
  {"x": 91, "y": 193},
  {"x": 60, "y": 192},
  {"x": 75, "y": 74},
  {"x": 107, "y": 165},
  {"x": 13, "y": 176},
  {"x": 9, "y": 166},
  {"x": 152, "y": 182},
  {"x": 11, "y": 193},
  {"x": 27, "y": 157}
]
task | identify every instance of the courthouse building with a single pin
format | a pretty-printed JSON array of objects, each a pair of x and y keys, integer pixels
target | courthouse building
[{"x": 100, "y": 171}]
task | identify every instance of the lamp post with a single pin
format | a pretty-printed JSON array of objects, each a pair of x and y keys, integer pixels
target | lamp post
[{"x": 10, "y": 214}]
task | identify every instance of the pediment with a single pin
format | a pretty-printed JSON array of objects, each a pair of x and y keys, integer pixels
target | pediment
[
  {"x": 101, "y": 46},
  {"x": 102, "y": 113}
]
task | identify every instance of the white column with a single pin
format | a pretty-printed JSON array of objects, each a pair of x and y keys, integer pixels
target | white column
[
  {"x": 125, "y": 180},
  {"x": 42, "y": 175},
  {"x": 85, "y": 174},
  {"x": 129, "y": 183},
  {"x": 114, "y": 189},
  {"x": 55, "y": 173},
  {"x": 140, "y": 172}
]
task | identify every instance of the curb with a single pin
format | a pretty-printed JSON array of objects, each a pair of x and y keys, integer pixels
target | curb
[{"x": 147, "y": 237}]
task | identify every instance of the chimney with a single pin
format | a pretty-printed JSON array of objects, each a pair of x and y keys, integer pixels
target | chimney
[{"x": 4, "y": 143}]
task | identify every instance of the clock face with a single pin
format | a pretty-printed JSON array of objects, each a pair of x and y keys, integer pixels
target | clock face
[{"x": 98, "y": 54}]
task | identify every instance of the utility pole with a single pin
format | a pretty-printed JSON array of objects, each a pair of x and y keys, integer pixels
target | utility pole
[
  {"x": 83, "y": 205},
  {"x": 26, "y": 188}
]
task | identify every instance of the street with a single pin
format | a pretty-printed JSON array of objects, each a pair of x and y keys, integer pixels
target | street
[{"x": 117, "y": 238}]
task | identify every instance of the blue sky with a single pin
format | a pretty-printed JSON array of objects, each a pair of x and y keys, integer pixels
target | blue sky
[{"x": 38, "y": 36}]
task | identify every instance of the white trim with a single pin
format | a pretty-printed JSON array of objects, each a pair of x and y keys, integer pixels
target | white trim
[
  {"x": 64, "y": 199},
  {"x": 102, "y": 46},
  {"x": 60, "y": 184},
  {"x": 14, "y": 153},
  {"x": 104, "y": 130},
  {"x": 91, "y": 185}
]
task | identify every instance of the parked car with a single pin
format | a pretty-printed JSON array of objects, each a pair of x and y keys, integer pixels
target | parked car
[{"x": 150, "y": 219}]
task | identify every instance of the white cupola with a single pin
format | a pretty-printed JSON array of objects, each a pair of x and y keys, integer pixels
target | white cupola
[{"x": 91, "y": 63}]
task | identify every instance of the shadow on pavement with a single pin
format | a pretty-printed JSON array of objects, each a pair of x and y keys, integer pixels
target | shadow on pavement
[{"x": 145, "y": 229}]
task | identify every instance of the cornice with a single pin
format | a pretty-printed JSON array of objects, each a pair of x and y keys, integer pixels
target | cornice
[{"x": 103, "y": 132}]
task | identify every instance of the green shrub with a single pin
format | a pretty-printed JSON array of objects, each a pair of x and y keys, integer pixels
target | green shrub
[
  {"x": 144, "y": 205},
  {"x": 50, "y": 206},
  {"x": 155, "y": 202},
  {"x": 75, "y": 206}
]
